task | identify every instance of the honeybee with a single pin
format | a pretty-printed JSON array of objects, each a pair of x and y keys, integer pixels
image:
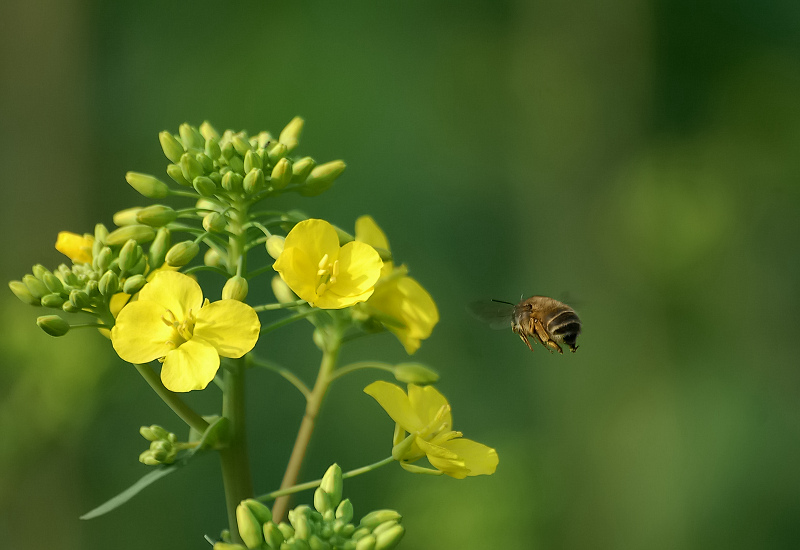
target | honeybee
[{"x": 548, "y": 321}]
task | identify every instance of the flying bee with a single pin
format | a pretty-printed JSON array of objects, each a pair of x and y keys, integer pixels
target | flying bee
[{"x": 546, "y": 320}]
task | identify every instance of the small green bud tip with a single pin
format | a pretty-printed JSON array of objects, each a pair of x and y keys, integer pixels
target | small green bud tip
[
  {"x": 415, "y": 373},
  {"x": 300, "y": 523},
  {"x": 108, "y": 284},
  {"x": 149, "y": 186},
  {"x": 190, "y": 136},
  {"x": 126, "y": 217},
  {"x": 53, "y": 325},
  {"x": 129, "y": 255},
  {"x": 250, "y": 529},
  {"x": 158, "y": 250},
  {"x": 253, "y": 181},
  {"x": 53, "y": 283},
  {"x": 21, "y": 291},
  {"x": 174, "y": 171},
  {"x": 373, "y": 519},
  {"x": 275, "y": 245},
  {"x": 206, "y": 162},
  {"x": 282, "y": 291},
  {"x": 302, "y": 169},
  {"x": 344, "y": 511},
  {"x": 205, "y": 186},
  {"x": 190, "y": 167},
  {"x": 290, "y": 135},
  {"x": 215, "y": 222},
  {"x": 286, "y": 530},
  {"x": 134, "y": 284},
  {"x": 53, "y": 301},
  {"x": 156, "y": 215},
  {"x": 241, "y": 144},
  {"x": 39, "y": 271},
  {"x": 235, "y": 289},
  {"x": 212, "y": 148},
  {"x": 139, "y": 233},
  {"x": 272, "y": 535},
  {"x": 227, "y": 546},
  {"x": 259, "y": 510},
  {"x": 172, "y": 149},
  {"x": 212, "y": 258},
  {"x": 322, "y": 177},
  {"x": 332, "y": 485},
  {"x": 103, "y": 259},
  {"x": 208, "y": 131},
  {"x": 281, "y": 174},
  {"x": 182, "y": 253},
  {"x": 366, "y": 543},
  {"x": 35, "y": 287},
  {"x": 100, "y": 233},
  {"x": 236, "y": 164},
  {"x": 252, "y": 160},
  {"x": 232, "y": 181},
  {"x": 276, "y": 153},
  {"x": 389, "y": 538},
  {"x": 79, "y": 298},
  {"x": 322, "y": 501}
]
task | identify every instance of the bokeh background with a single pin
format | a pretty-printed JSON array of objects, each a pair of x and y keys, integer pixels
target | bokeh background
[{"x": 641, "y": 156}]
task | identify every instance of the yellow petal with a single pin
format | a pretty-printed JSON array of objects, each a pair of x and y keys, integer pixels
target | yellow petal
[
  {"x": 174, "y": 291},
  {"x": 299, "y": 272},
  {"x": 359, "y": 269},
  {"x": 426, "y": 401},
  {"x": 140, "y": 335},
  {"x": 367, "y": 231},
  {"x": 396, "y": 404},
  {"x": 76, "y": 247},
  {"x": 406, "y": 300},
  {"x": 478, "y": 459},
  {"x": 331, "y": 300},
  {"x": 232, "y": 327},
  {"x": 190, "y": 367},
  {"x": 314, "y": 237}
]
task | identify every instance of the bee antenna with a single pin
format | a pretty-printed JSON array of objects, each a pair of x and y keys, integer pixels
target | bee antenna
[{"x": 502, "y": 302}]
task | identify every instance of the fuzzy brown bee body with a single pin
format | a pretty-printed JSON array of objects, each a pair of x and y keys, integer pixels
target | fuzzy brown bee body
[{"x": 547, "y": 321}]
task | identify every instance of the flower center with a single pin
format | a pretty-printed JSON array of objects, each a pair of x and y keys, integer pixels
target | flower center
[
  {"x": 326, "y": 273},
  {"x": 182, "y": 329},
  {"x": 437, "y": 425}
]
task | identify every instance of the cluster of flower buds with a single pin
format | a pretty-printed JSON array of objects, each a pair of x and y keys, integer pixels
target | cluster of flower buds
[
  {"x": 163, "y": 449},
  {"x": 234, "y": 163},
  {"x": 325, "y": 527}
]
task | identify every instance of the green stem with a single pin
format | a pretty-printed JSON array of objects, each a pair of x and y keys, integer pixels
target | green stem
[
  {"x": 284, "y": 305},
  {"x": 361, "y": 365},
  {"x": 283, "y": 371},
  {"x": 313, "y": 405},
  {"x": 287, "y": 321},
  {"x": 316, "y": 483},
  {"x": 172, "y": 399}
]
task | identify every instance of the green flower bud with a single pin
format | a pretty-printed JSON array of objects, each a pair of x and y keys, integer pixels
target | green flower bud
[
  {"x": 286, "y": 530},
  {"x": 139, "y": 233},
  {"x": 149, "y": 186},
  {"x": 415, "y": 373},
  {"x": 190, "y": 167},
  {"x": 147, "y": 458},
  {"x": 322, "y": 501},
  {"x": 129, "y": 255},
  {"x": 263, "y": 138},
  {"x": 235, "y": 289},
  {"x": 205, "y": 161},
  {"x": 388, "y": 539},
  {"x": 174, "y": 171},
  {"x": 69, "y": 307},
  {"x": 35, "y": 287},
  {"x": 208, "y": 131},
  {"x": 359, "y": 534},
  {"x": 79, "y": 299},
  {"x": 205, "y": 186},
  {"x": 290, "y": 135},
  {"x": 252, "y": 160},
  {"x": 103, "y": 259},
  {"x": 272, "y": 535},
  {"x": 214, "y": 222},
  {"x": 322, "y": 177},
  {"x": 158, "y": 250},
  {"x": 275, "y": 245},
  {"x": 302, "y": 169},
  {"x": 281, "y": 174},
  {"x": 212, "y": 259},
  {"x": 332, "y": 484},
  {"x": 53, "y": 283},
  {"x": 344, "y": 511},
  {"x": 227, "y": 150},
  {"x": 373, "y": 519},
  {"x": 172, "y": 149},
  {"x": 53, "y": 325},
  {"x": 232, "y": 181},
  {"x": 100, "y": 233},
  {"x": 227, "y": 546},
  {"x": 366, "y": 543},
  {"x": 126, "y": 217},
  {"x": 91, "y": 289},
  {"x": 282, "y": 291},
  {"x": 156, "y": 215},
  {"x": 237, "y": 164},
  {"x": 39, "y": 271},
  {"x": 108, "y": 284},
  {"x": 259, "y": 510},
  {"x": 134, "y": 284},
  {"x": 276, "y": 153},
  {"x": 253, "y": 181},
  {"x": 316, "y": 543},
  {"x": 300, "y": 523},
  {"x": 385, "y": 526},
  {"x": 249, "y": 528},
  {"x": 216, "y": 177},
  {"x": 149, "y": 433},
  {"x": 190, "y": 136},
  {"x": 182, "y": 253},
  {"x": 212, "y": 148},
  {"x": 241, "y": 144},
  {"x": 53, "y": 300},
  {"x": 21, "y": 291}
]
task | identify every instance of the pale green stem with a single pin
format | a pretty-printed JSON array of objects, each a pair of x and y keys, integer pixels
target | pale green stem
[
  {"x": 287, "y": 321},
  {"x": 283, "y": 371},
  {"x": 352, "y": 367},
  {"x": 313, "y": 405},
  {"x": 172, "y": 399},
  {"x": 285, "y": 305},
  {"x": 318, "y": 482}
]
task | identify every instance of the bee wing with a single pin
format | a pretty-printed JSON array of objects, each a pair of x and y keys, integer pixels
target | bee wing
[{"x": 498, "y": 314}]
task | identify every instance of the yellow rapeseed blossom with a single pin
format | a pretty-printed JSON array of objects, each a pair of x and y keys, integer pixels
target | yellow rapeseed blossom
[
  {"x": 425, "y": 414},
  {"x": 397, "y": 295},
  {"x": 77, "y": 248},
  {"x": 321, "y": 272},
  {"x": 171, "y": 322}
]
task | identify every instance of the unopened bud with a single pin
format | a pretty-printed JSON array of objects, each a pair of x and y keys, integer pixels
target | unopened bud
[
  {"x": 290, "y": 135},
  {"x": 103, "y": 259},
  {"x": 373, "y": 519},
  {"x": 251, "y": 161},
  {"x": 332, "y": 484},
  {"x": 149, "y": 186},
  {"x": 108, "y": 284},
  {"x": 227, "y": 150},
  {"x": 156, "y": 215},
  {"x": 253, "y": 181},
  {"x": 241, "y": 144},
  {"x": 172, "y": 149},
  {"x": 53, "y": 283},
  {"x": 286, "y": 530},
  {"x": 79, "y": 298},
  {"x": 272, "y": 535},
  {"x": 134, "y": 284},
  {"x": 235, "y": 289},
  {"x": 259, "y": 510},
  {"x": 100, "y": 233},
  {"x": 277, "y": 152},
  {"x": 21, "y": 291},
  {"x": 190, "y": 136},
  {"x": 53, "y": 325},
  {"x": 366, "y": 543},
  {"x": 53, "y": 300},
  {"x": 182, "y": 253},
  {"x": 391, "y": 537},
  {"x": 174, "y": 171},
  {"x": 415, "y": 373},
  {"x": 205, "y": 161},
  {"x": 212, "y": 148},
  {"x": 158, "y": 250},
  {"x": 227, "y": 546},
  {"x": 205, "y": 186},
  {"x": 232, "y": 181},
  {"x": 129, "y": 255},
  {"x": 126, "y": 217},
  {"x": 36, "y": 287},
  {"x": 250, "y": 530},
  {"x": 344, "y": 511},
  {"x": 190, "y": 167},
  {"x": 275, "y": 245},
  {"x": 322, "y": 500},
  {"x": 208, "y": 131},
  {"x": 282, "y": 291},
  {"x": 322, "y": 177},
  {"x": 214, "y": 222},
  {"x": 302, "y": 169},
  {"x": 139, "y": 233},
  {"x": 212, "y": 259},
  {"x": 236, "y": 164},
  {"x": 281, "y": 174}
]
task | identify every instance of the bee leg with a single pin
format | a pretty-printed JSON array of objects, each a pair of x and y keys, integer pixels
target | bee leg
[
  {"x": 525, "y": 339},
  {"x": 544, "y": 338},
  {"x": 551, "y": 344}
]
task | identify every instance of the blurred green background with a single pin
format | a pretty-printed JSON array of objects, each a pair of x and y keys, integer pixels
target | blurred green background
[{"x": 643, "y": 156}]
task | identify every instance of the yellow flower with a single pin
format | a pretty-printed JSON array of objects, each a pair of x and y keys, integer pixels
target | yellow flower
[
  {"x": 171, "y": 322},
  {"x": 425, "y": 414},
  {"x": 397, "y": 295},
  {"x": 76, "y": 247},
  {"x": 321, "y": 272}
]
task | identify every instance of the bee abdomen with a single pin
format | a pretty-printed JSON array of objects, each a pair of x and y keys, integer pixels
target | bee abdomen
[{"x": 566, "y": 325}]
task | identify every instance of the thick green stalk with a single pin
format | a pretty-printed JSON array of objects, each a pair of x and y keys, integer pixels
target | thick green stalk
[
  {"x": 313, "y": 405},
  {"x": 172, "y": 399}
]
